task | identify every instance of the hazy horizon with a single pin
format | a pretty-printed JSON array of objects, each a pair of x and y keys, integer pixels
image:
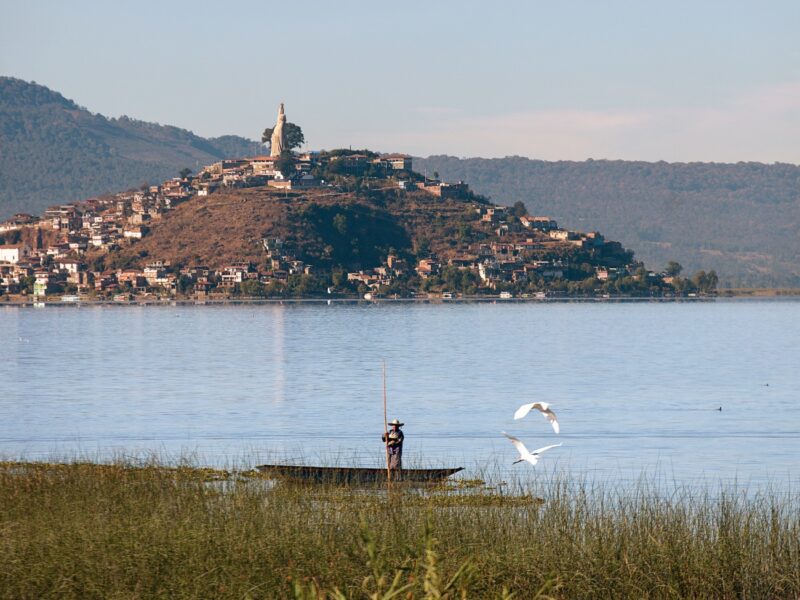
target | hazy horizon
[{"x": 717, "y": 82}]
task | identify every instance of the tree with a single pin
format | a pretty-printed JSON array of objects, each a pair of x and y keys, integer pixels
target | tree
[
  {"x": 681, "y": 284},
  {"x": 339, "y": 278},
  {"x": 12, "y": 237},
  {"x": 711, "y": 281},
  {"x": 185, "y": 172},
  {"x": 673, "y": 269},
  {"x": 251, "y": 287},
  {"x": 340, "y": 223},
  {"x": 307, "y": 285},
  {"x": 98, "y": 263},
  {"x": 519, "y": 209},
  {"x": 184, "y": 284},
  {"x": 591, "y": 285},
  {"x": 423, "y": 246},
  {"x": 285, "y": 164},
  {"x": 26, "y": 284},
  {"x": 705, "y": 282},
  {"x": 292, "y": 134}
]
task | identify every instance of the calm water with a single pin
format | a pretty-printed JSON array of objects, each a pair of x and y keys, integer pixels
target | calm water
[{"x": 635, "y": 385}]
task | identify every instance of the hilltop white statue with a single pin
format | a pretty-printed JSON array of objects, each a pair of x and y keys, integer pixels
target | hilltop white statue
[{"x": 278, "y": 142}]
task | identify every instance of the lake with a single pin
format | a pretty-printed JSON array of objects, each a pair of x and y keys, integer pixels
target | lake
[{"x": 636, "y": 385}]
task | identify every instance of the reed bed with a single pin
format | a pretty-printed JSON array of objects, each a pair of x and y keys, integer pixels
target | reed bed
[{"x": 82, "y": 530}]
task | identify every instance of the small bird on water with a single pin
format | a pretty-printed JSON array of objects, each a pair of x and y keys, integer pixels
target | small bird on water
[
  {"x": 531, "y": 457},
  {"x": 542, "y": 407}
]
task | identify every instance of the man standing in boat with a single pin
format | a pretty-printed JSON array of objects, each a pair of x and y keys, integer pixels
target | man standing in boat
[{"x": 394, "y": 445}]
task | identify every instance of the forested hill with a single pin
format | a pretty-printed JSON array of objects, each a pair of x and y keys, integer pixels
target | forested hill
[
  {"x": 743, "y": 220},
  {"x": 54, "y": 151}
]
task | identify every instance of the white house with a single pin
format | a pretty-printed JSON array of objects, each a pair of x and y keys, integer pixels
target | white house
[{"x": 14, "y": 253}]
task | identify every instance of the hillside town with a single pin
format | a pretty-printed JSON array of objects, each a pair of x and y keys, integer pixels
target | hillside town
[{"x": 57, "y": 255}]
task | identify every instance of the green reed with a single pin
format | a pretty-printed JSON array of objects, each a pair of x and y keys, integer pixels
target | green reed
[{"x": 83, "y": 530}]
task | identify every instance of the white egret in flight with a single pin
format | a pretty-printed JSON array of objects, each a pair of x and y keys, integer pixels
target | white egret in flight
[
  {"x": 531, "y": 457},
  {"x": 542, "y": 407}
]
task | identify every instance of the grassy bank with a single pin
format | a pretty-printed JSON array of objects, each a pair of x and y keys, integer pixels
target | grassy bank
[{"x": 116, "y": 531}]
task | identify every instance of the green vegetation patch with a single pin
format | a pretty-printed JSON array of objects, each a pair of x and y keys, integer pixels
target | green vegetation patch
[{"x": 354, "y": 235}]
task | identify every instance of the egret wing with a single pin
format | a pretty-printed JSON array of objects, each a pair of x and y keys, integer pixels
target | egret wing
[
  {"x": 517, "y": 444},
  {"x": 545, "y": 449},
  {"x": 523, "y": 410},
  {"x": 551, "y": 417}
]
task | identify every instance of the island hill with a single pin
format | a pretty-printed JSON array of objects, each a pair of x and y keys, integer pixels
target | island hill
[{"x": 341, "y": 223}]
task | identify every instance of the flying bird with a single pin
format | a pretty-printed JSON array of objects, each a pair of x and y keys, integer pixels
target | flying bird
[
  {"x": 542, "y": 407},
  {"x": 531, "y": 457}
]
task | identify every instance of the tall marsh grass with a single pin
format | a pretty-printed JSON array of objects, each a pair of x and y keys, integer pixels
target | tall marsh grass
[{"x": 119, "y": 531}]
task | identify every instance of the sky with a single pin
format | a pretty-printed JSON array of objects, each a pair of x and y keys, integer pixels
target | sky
[{"x": 570, "y": 80}]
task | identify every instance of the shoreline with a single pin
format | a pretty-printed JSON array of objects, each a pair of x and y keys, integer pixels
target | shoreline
[
  {"x": 258, "y": 301},
  {"x": 748, "y": 294}
]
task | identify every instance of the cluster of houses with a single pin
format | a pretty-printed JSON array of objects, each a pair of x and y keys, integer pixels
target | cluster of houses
[
  {"x": 55, "y": 254},
  {"x": 272, "y": 170},
  {"x": 54, "y": 259},
  {"x": 22, "y": 269},
  {"x": 203, "y": 282},
  {"x": 509, "y": 258},
  {"x": 256, "y": 171},
  {"x": 62, "y": 269},
  {"x": 54, "y": 251}
]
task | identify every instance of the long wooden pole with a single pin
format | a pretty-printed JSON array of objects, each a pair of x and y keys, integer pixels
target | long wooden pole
[{"x": 386, "y": 433}]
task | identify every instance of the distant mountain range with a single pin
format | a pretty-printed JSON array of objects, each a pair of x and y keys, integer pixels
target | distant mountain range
[
  {"x": 743, "y": 220},
  {"x": 54, "y": 151}
]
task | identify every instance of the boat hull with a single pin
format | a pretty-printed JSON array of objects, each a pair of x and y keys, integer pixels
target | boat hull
[{"x": 354, "y": 475}]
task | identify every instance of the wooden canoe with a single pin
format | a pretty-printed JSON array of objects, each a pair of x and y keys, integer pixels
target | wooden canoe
[{"x": 354, "y": 475}]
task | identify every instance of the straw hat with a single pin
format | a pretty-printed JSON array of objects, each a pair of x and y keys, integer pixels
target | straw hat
[{"x": 396, "y": 422}]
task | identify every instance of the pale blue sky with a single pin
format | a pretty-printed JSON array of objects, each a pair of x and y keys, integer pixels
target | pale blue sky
[{"x": 669, "y": 80}]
